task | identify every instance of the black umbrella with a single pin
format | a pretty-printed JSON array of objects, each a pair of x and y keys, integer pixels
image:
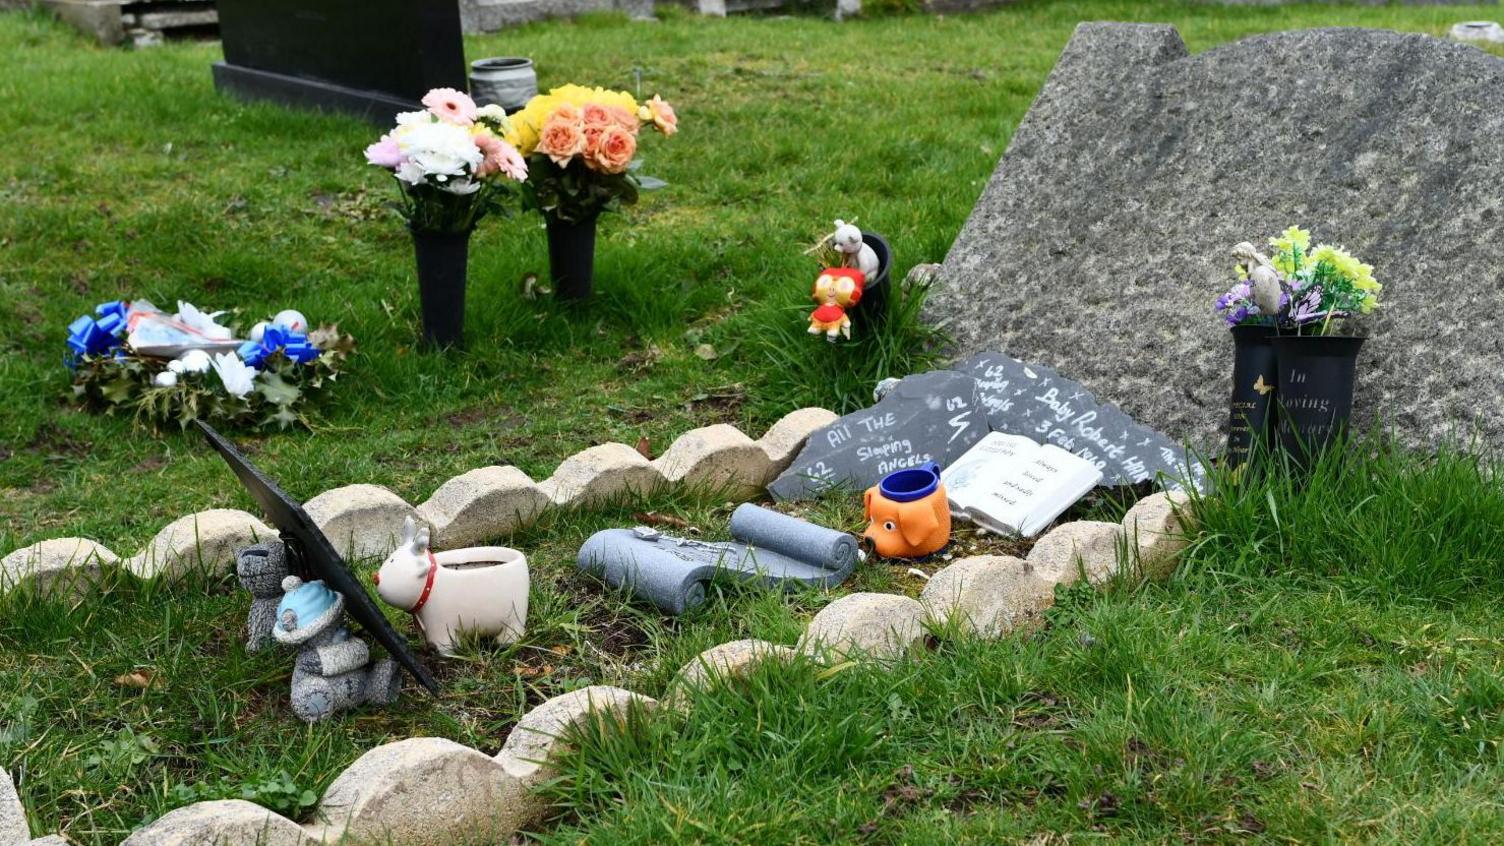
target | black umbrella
[{"x": 311, "y": 555}]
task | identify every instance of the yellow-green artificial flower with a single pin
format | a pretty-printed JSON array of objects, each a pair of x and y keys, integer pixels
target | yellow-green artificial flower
[
  {"x": 1294, "y": 236},
  {"x": 1355, "y": 271}
]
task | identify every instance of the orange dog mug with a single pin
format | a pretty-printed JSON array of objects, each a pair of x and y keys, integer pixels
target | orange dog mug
[{"x": 909, "y": 514}]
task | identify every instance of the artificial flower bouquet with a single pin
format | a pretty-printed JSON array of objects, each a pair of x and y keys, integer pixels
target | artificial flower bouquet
[
  {"x": 1293, "y": 375},
  {"x": 1301, "y": 290},
  {"x": 581, "y": 148},
  {"x": 451, "y": 162},
  {"x": 187, "y": 366}
]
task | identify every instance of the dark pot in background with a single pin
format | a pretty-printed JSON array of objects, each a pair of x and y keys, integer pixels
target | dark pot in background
[
  {"x": 442, "y": 266},
  {"x": 507, "y": 81},
  {"x": 1254, "y": 378},
  {"x": 571, "y": 257},
  {"x": 1317, "y": 375},
  {"x": 874, "y": 304}
]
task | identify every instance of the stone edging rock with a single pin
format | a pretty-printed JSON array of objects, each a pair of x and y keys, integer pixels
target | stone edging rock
[
  {"x": 429, "y": 791},
  {"x": 486, "y": 503}
]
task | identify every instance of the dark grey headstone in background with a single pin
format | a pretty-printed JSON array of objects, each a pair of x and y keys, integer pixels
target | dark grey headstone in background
[
  {"x": 929, "y": 417},
  {"x": 1034, "y": 401},
  {"x": 1103, "y": 237},
  {"x": 371, "y": 58}
]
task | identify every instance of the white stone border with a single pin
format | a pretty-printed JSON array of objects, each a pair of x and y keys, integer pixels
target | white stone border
[
  {"x": 428, "y": 791},
  {"x": 486, "y": 503}
]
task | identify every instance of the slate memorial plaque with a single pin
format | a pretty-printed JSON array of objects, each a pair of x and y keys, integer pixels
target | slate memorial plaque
[
  {"x": 1035, "y": 401},
  {"x": 371, "y": 58},
  {"x": 933, "y": 416}
]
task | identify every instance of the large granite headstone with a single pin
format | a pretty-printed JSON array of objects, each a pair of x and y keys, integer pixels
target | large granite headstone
[
  {"x": 371, "y": 58},
  {"x": 1103, "y": 238},
  {"x": 1034, "y": 401},
  {"x": 933, "y": 416}
]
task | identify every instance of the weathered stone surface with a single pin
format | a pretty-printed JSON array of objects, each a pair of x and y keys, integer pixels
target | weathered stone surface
[
  {"x": 731, "y": 660},
  {"x": 718, "y": 457},
  {"x": 1103, "y": 238},
  {"x": 1160, "y": 526},
  {"x": 1486, "y": 31},
  {"x": 1061, "y": 555},
  {"x": 13, "y": 828},
  {"x": 49, "y": 840},
  {"x": 71, "y": 564},
  {"x": 934, "y": 416},
  {"x": 599, "y": 474},
  {"x": 422, "y": 791},
  {"x": 229, "y": 822},
  {"x": 544, "y": 730},
  {"x": 204, "y": 542},
  {"x": 481, "y": 505},
  {"x": 784, "y": 439},
  {"x": 479, "y": 16},
  {"x": 988, "y": 595},
  {"x": 870, "y": 625},
  {"x": 362, "y": 521}
]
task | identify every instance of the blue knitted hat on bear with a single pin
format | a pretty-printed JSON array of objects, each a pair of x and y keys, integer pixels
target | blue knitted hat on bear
[{"x": 311, "y": 604}]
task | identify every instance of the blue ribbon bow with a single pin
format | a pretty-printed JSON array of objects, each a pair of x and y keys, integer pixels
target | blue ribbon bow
[
  {"x": 275, "y": 338},
  {"x": 97, "y": 335}
]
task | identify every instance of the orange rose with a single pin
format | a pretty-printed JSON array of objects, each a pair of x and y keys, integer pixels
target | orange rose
[
  {"x": 613, "y": 150},
  {"x": 623, "y": 118},
  {"x": 594, "y": 114},
  {"x": 661, "y": 114},
  {"x": 563, "y": 135}
]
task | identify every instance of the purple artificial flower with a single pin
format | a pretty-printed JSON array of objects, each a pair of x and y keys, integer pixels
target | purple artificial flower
[{"x": 1306, "y": 309}]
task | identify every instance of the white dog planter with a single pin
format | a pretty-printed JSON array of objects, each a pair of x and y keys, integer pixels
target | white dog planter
[{"x": 478, "y": 590}]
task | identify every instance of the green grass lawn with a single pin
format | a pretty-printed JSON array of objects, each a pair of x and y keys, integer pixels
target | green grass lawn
[{"x": 1250, "y": 696}]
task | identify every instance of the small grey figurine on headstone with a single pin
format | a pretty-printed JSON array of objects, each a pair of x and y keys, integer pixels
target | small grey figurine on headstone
[
  {"x": 333, "y": 671},
  {"x": 261, "y": 568}
]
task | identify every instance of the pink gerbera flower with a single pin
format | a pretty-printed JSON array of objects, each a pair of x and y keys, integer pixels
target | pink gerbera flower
[
  {"x": 500, "y": 157},
  {"x": 451, "y": 105}
]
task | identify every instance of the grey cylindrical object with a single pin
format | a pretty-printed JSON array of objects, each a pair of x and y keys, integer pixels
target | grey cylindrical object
[
  {"x": 653, "y": 572},
  {"x": 795, "y": 538},
  {"x": 507, "y": 81}
]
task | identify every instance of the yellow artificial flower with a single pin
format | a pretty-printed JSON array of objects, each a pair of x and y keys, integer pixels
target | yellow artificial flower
[
  {"x": 1292, "y": 237},
  {"x": 579, "y": 95}
]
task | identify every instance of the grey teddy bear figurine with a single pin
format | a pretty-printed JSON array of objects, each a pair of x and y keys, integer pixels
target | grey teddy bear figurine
[
  {"x": 333, "y": 670},
  {"x": 261, "y": 569}
]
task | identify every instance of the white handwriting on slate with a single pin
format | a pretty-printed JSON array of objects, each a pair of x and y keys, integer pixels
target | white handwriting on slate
[
  {"x": 961, "y": 422},
  {"x": 875, "y": 423}
]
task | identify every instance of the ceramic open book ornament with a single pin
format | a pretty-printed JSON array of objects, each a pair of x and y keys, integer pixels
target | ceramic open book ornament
[{"x": 479, "y": 591}]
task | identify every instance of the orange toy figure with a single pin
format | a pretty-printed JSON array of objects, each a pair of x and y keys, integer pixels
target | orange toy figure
[
  {"x": 909, "y": 512},
  {"x": 836, "y": 289}
]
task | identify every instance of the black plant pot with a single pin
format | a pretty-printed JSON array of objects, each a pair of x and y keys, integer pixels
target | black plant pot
[
  {"x": 1254, "y": 378},
  {"x": 1317, "y": 375},
  {"x": 443, "y": 258},
  {"x": 873, "y": 307},
  {"x": 571, "y": 257}
]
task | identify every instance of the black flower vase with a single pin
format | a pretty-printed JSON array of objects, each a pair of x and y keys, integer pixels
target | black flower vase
[
  {"x": 873, "y": 307},
  {"x": 1255, "y": 375},
  {"x": 443, "y": 259},
  {"x": 1317, "y": 374},
  {"x": 571, "y": 256}
]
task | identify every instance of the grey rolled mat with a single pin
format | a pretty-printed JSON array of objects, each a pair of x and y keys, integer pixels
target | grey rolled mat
[
  {"x": 791, "y": 537},
  {"x": 673, "y": 573}
]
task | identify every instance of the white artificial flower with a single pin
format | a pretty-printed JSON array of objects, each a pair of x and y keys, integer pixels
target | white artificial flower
[
  {"x": 461, "y": 186},
  {"x": 410, "y": 172},
  {"x": 165, "y": 379},
  {"x": 439, "y": 150},
  {"x": 193, "y": 361},
  {"x": 411, "y": 118},
  {"x": 237, "y": 376},
  {"x": 202, "y": 322}
]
